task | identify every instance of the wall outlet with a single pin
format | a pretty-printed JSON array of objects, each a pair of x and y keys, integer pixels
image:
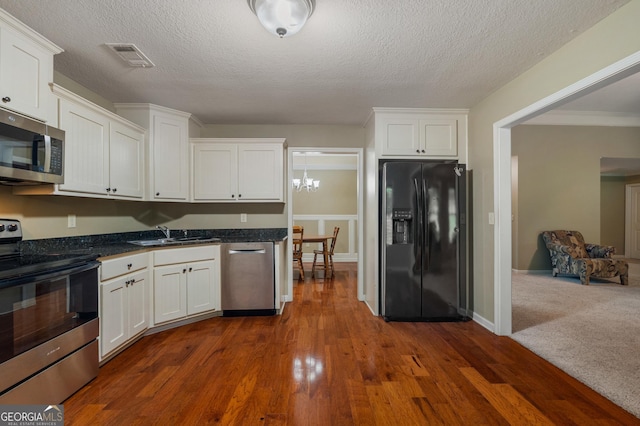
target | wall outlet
[
  {"x": 71, "y": 221},
  {"x": 243, "y": 217}
]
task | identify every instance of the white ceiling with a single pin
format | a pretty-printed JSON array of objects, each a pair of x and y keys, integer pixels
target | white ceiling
[{"x": 214, "y": 59}]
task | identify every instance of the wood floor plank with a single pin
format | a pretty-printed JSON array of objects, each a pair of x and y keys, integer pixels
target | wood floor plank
[
  {"x": 327, "y": 361},
  {"x": 513, "y": 407}
]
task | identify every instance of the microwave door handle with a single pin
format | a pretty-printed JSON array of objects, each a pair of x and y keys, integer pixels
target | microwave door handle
[{"x": 47, "y": 154}]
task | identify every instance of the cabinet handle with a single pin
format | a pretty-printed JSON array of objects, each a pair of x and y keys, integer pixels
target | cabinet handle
[{"x": 6, "y": 99}]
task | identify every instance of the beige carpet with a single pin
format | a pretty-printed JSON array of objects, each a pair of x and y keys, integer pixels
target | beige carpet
[{"x": 591, "y": 332}]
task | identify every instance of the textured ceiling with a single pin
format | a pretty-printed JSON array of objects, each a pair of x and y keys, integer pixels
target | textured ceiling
[{"x": 214, "y": 59}]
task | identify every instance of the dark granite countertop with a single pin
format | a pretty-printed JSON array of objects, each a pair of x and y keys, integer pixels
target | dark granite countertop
[{"x": 104, "y": 245}]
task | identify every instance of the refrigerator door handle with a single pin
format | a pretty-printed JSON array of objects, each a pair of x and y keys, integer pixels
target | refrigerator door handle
[
  {"x": 426, "y": 246},
  {"x": 418, "y": 229}
]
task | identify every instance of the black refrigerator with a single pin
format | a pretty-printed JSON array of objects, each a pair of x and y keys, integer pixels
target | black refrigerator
[{"x": 423, "y": 234}]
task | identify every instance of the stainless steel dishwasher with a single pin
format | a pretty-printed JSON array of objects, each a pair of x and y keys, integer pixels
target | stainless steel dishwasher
[{"x": 248, "y": 282}]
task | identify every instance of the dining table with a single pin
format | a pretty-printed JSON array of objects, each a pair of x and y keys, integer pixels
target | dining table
[{"x": 324, "y": 239}]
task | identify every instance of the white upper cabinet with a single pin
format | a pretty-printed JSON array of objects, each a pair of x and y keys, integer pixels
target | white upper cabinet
[
  {"x": 26, "y": 69},
  {"x": 104, "y": 154},
  {"x": 406, "y": 132},
  {"x": 237, "y": 170},
  {"x": 86, "y": 162},
  {"x": 126, "y": 157},
  {"x": 168, "y": 153}
]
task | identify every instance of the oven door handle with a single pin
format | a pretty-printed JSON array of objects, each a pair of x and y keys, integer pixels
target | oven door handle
[{"x": 49, "y": 274}]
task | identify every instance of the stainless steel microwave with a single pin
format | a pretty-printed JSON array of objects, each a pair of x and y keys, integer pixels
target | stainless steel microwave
[{"x": 31, "y": 152}]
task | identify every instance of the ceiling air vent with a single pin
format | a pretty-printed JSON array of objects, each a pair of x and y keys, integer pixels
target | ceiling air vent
[{"x": 129, "y": 53}]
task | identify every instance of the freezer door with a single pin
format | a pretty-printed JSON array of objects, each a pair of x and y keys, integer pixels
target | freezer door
[
  {"x": 400, "y": 224},
  {"x": 440, "y": 289}
]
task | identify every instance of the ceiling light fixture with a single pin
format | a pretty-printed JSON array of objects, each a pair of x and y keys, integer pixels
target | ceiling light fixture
[{"x": 282, "y": 17}]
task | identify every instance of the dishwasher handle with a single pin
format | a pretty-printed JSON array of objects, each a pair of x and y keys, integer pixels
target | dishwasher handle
[{"x": 247, "y": 251}]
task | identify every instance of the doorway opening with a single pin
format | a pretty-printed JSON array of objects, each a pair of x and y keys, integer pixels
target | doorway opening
[
  {"x": 502, "y": 176},
  {"x": 328, "y": 166}
]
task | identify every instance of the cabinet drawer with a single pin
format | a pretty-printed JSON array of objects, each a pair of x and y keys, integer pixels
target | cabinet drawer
[
  {"x": 185, "y": 255},
  {"x": 115, "y": 267}
]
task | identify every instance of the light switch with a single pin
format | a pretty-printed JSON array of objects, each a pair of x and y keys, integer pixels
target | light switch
[
  {"x": 243, "y": 217},
  {"x": 492, "y": 218},
  {"x": 71, "y": 221}
]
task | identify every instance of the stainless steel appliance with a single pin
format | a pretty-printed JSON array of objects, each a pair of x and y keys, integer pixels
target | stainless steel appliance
[
  {"x": 248, "y": 281},
  {"x": 30, "y": 151},
  {"x": 48, "y": 322},
  {"x": 423, "y": 235}
]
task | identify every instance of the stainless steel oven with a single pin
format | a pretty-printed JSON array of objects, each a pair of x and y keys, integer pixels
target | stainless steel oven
[{"x": 48, "y": 322}]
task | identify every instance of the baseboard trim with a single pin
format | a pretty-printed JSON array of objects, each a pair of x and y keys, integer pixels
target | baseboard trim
[
  {"x": 532, "y": 271},
  {"x": 484, "y": 322}
]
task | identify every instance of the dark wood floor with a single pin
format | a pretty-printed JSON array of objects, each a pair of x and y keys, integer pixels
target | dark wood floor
[{"x": 328, "y": 361}]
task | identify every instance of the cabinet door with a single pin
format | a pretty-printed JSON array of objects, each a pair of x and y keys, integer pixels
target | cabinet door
[
  {"x": 25, "y": 72},
  {"x": 169, "y": 293},
  {"x": 86, "y": 158},
  {"x": 201, "y": 287},
  {"x": 260, "y": 172},
  {"x": 113, "y": 315},
  {"x": 138, "y": 305},
  {"x": 439, "y": 137},
  {"x": 126, "y": 160},
  {"x": 215, "y": 171},
  {"x": 400, "y": 136},
  {"x": 170, "y": 162}
]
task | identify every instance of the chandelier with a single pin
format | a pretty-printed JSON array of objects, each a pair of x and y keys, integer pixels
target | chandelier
[
  {"x": 282, "y": 17},
  {"x": 306, "y": 182}
]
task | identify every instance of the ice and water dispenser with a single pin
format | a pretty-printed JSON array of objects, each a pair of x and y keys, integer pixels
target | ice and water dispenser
[{"x": 402, "y": 226}]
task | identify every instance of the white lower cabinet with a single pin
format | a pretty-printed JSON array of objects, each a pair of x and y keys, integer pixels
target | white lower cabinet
[
  {"x": 186, "y": 282},
  {"x": 124, "y": 306}
]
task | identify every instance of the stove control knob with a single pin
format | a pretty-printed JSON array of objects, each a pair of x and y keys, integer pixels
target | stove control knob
[
  {"x": 12, "y": 228},
  {"x": 1, "y": 228}
]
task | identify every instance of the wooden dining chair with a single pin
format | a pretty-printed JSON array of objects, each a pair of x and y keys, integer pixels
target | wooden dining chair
[
  {"x": 298, "y": 232},
  {"x": 329, "y": 254}
]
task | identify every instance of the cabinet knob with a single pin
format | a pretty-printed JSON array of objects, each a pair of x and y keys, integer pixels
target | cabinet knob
[
  {"x": 184, "y": 271},
  {"x": 108, "y": 189},
  {"x": 233, "y": 195},
  {"x": 129, "y": 265},
  {"x": 6, "y": 99},
  {"x": 239, "y": 195},
  {"x": 418, "y": 151},
  {"x": 114, "y": 190},
  {"x": 157, "y": 194},
  {"x": 190, "y": 269},
  {"x": 423, "y": 151}
]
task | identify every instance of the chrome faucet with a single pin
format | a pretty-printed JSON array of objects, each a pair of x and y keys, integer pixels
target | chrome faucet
[{"x": 165, "y": 230}]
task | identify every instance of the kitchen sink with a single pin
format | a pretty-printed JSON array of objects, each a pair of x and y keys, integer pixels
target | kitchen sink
[{"x": 173, "y": 241}]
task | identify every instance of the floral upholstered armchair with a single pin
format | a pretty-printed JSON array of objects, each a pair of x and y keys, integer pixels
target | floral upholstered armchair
[{"x": 570, "y": 255}]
